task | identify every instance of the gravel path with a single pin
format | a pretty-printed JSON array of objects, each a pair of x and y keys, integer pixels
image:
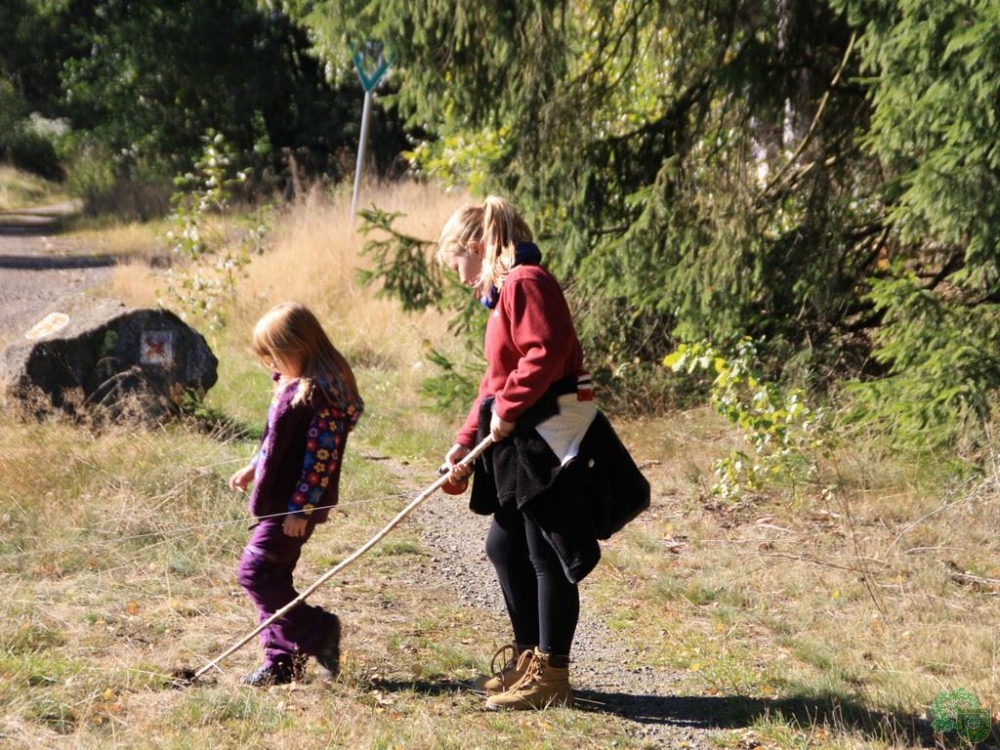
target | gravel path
[
  {"x": 644, "y": 697},
  {"x": 38, "y": 267}
]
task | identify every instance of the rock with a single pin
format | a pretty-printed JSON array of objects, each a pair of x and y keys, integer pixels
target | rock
[{"x": 98, "y": 358}]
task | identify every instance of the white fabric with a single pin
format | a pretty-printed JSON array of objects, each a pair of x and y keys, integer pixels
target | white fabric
[{"x": 564, "y": 432}]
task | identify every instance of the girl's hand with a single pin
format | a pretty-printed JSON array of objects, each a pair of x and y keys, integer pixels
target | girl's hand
[
  {"x": 451, "y": 458},
  {"x": 500, "y": 429},
  {"x": 294, "y": 526},
  {"x": 243, "y": 477}
]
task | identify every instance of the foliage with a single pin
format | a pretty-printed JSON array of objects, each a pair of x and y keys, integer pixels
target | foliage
[
  {"x": 33, "y": 41},
  {"x": 633, "y": 135},
  {"x": 719, "y": 170},
  {"x": 458, "y": 158},
  {"x": 402, "y": 264},
  {"x": 695, "y": 171},
  {"x": 142, "y": 81},
  {"x": 152, "y": 101},
  {"x": 784, "y": 432},
  {"x": 455, "y": 386},
  {"x": 942, "y": 366},
  {"x": 936, "y": 101},
  {"x": 24, "y": 141},
  {"x": 217, "y": 262},
  {"x": 407, "y": 272}
]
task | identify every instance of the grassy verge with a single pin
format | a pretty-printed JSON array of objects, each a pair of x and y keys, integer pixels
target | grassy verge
[
  {"x": 22, "y": 190},
  {"x": 118, "y": 565},
  {"x": 831, "y": 617},
  {"x": 828, "y": 617}
]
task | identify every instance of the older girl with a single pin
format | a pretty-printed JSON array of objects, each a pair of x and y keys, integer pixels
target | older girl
[{"x": 532, "y": 351}]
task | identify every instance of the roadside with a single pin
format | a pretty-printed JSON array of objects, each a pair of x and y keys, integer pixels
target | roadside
[{"x": 38, "y": 266}]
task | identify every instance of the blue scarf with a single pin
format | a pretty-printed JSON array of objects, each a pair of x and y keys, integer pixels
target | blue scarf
[{"x": 525, "y": 253}]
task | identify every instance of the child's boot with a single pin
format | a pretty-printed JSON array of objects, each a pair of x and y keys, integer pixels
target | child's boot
[
  {"x": 515, "y": 663},
  {"x": 542, "y": 685},
  {"x": 278, "y": 672}
]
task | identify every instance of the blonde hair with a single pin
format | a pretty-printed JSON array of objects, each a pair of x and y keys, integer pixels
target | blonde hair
[
  {"x": 290, "y": 332},
  {"x": 497, "y": 225}
]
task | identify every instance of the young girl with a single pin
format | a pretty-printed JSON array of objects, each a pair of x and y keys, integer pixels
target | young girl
[
  {"x": 296, "y": 472},
  {"x": 532, "y": 351}
]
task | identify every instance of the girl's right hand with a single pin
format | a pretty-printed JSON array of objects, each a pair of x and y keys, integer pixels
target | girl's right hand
[
  {"x": 452, "y": 458},
  {"x": 242, "y": 478}
]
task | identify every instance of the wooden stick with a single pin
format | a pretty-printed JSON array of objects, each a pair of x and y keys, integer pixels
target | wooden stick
[{"x": 472, "y": 456}]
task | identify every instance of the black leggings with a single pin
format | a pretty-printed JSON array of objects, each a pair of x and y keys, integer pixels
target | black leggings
[{"x": 543, "y": 605}]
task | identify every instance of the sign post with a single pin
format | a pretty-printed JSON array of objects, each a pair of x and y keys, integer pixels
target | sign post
[{"x": 370, "y": 75}]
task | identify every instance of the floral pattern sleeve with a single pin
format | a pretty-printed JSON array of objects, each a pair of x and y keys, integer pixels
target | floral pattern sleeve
[{"x": 324, "y": 443}]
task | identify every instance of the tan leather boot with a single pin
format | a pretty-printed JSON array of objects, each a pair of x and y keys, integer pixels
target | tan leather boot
[
  {"x": 514, "y": 665},
  {"x": 541, "y": 686}
]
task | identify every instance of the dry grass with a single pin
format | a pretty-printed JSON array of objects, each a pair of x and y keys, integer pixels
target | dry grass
[
  {"x": 849, "y": 604},
  {"x": 129, "y": 242},
  {"x": 22, "y": 190},
  {"x": 122, "y": 569},
  {"x": 317, "y": 253},
  {"x": 826, "y": 617}
]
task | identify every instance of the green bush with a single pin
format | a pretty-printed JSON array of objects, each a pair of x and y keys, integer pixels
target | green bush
[
  {"x": 23, "y": 143},
  {"x": 109, "y": 186},
  {"x": 784, "y": 432},
  {"x": 942, "y": 363},
  {"x": 36, "y": 154}
]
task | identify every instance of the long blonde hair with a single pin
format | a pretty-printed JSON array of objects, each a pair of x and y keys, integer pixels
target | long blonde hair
[
  {"x": 290, "y": 332},
  {"x": 497, "y": 225}
]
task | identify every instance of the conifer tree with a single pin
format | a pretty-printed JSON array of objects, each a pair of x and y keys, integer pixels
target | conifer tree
[
  {"x": 820, "y": 176},
  {"x": 668, "y": 151}
]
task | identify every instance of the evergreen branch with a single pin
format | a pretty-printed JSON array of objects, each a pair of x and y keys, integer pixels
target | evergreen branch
[
  {"x": 953, "y": 264},
  {"x": 814, "y": 125},
  {"x": 630, "y": 28}
]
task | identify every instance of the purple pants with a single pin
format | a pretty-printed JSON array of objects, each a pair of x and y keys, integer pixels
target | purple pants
[{"x": 265, "y": 573}]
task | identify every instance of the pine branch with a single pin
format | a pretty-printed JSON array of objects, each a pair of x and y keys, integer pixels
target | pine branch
[{"x": 814, "y": 125}]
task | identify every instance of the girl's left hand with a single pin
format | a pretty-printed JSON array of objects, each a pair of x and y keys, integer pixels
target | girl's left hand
[
  {"x": 499, "y": 429},
  {"x": 294, "y": 526}
]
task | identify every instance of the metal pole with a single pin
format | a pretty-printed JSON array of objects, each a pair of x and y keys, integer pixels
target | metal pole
[{"x": 365, "y": 117}]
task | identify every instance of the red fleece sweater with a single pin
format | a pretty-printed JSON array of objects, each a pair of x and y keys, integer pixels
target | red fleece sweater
[{"x": 530, "y": 344}]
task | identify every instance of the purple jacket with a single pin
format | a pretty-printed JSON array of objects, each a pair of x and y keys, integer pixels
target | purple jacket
[{"x": 298, "y": 462}]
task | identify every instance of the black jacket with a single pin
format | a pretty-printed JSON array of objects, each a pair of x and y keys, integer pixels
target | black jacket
[{"x": 590, "y": 498}]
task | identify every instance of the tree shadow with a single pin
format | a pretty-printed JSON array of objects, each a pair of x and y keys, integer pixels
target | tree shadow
[
  {"x": 423, "y": 687},
  {"x": 730, "y": 712},
  {"x": 28, "y": 225},
  {"x": 55, "y": 262},
  {"x": 737, "y": 712}
]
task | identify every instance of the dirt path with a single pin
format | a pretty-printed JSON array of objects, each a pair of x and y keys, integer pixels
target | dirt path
[
  {"x": 38, "y": 266},
  {"x": 650, "y": 700}
]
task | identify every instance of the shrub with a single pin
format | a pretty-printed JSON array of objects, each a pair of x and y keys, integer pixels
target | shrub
[{"x": 783, "y": 431}]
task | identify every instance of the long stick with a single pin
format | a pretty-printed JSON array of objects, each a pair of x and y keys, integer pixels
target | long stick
[{"x": 472, "y": 456}]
